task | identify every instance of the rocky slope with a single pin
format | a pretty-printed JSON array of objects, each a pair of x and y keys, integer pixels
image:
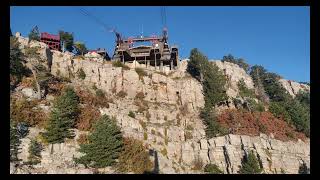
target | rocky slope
[{"x": 170, "y": 124}]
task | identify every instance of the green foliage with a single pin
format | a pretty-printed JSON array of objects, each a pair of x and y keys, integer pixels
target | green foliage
[
  {"x": 104, "y": 144},
  {"x": 131, "y": 114},
  {"x": 300, "y": 116},
  {"x": 62, "y": 118},
  {"x": 81, "y": 74},
  {"x": 34, "y": 152},
  {"x": 303, "y": 169},
  {"x": 213, "y": 80},
  {"x": 255, "y": 106},
  {"x": 67, "y": 38},
  {"x": 212, "y": 169},
  {"x": 14, "y": 141},
  {"x": 279, "y": 110},
  {"x": 17, "y": 69},
  {"x": 134, "y": 158},
  {"x": 213, "y": 128},
  {"x": 80, "y": 48},
  {"x": 304, "y": 98},
  {"x": 120, "y": 64},
  {"x": 34, "y": 34},
  {"x": 100, "y": 93},
  {"x": 240, "y": 62},
  {"x": 140, "y": 72},
  {"x": 213, "y": 83},
  {"x": 250, "y": 165},
  {"x": 244, "y": 91}
]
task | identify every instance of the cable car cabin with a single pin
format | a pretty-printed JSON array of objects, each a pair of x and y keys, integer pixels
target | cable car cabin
[
  {"x": 53, "y": 41},
  {"x": 158, "y": 53}
]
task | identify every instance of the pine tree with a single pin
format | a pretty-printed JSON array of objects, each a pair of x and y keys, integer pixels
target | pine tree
[
  {"x": 250, "y": 165},
  {"x": 34, "y": 152},
  {"x": 63, "y": 116},
  {"x": 34, "y": 34},
  {"x": 14, "y": 142},
  {"x": 104, "y": 146}
]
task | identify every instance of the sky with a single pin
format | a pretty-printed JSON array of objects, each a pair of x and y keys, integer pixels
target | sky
[{"x": 277, "y": 38}]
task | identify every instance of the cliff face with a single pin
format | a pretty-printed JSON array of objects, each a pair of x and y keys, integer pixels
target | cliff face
[{"x": 169, "y": 123}]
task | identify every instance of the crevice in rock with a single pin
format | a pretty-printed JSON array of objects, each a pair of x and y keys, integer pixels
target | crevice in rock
[{"x": 227, "y": 160}]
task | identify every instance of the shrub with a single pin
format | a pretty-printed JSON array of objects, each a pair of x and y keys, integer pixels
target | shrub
[
  {"x": 122, "y": 94},
  {"x": 35, "y": 149},
  {"x": 100, "y": 93},
  {"x": 83, "y": 139},
  {"x": 88, "y": 115},
  {"x": 164, "y": 152},
  {"x": 14, "y": 141},
  {"x": 240, "y": 62},
  {"x": 145, "y": 136},
  {"x": 17, "y": 69},
  {"x": 212, "y": 169},
  {"x": 120, "y": 64},
  {"x": 244, "y": 91},
  {"x": 134, "y": 157},
  {"x": 131, "y": 114},
  {"x": 303, "y": 169},
  {"x": 197, "y": 164},
  {"x": 140, "y": 72},
  {"x": 188, "y": 135},
  {"x": 139, "y": 96},
  {"x": 250, "y": 165},
  {"x": 63, "y": 115},
  {"x": 104, "y": 146},
  {"x": 278, "y": 109},
  {"x": 22, "y": 110},
  {"x": 213, "y": 128},
  {"x": 81, "y": 74}
]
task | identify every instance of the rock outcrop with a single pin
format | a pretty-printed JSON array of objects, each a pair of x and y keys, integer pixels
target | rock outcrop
[{"x": 166, "y": 107}]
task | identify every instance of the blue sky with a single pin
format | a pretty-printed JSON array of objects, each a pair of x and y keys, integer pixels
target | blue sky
[{"x": 276, "y": 37}]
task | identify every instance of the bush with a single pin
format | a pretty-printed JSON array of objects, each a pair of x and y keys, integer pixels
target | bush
[
  {"x": 139, "y": 96},
  {"x": 35, "y": 149},
  {"x": 17, "y": 69},
  {"x": 14, "y": 142},
  {"x": 240, "y": 62},
  {"x": 197, "y": 164},
  {"x": 134, "y": 157},
  {"x": 131, "y": 114},
  {"x": 250, "y": 165},
  {"x": 119, "y": 64},
  {"x": 213, "y": 128},
  {"x": 303, "y": 169},
  {"x": 88, "y": 115},
  {"x": 83, "y": 139},
  {"x": 212, "y": 169},
  {"x": 22, "y": 110},
  {"x": 104, "y": 146},
  {"x": 140, "y": 72},
  {"x": 100, "y": 93},
  {"x": 278, "y": 109},
  {"x": 81, "y": 74},
  {"x": 63, "y": 115},
  {"x": 122, "y": 94},
  {"x": 244, "y": 91}
]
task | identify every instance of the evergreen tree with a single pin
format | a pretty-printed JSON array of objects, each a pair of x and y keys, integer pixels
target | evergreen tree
[
  {"x": 67, "y": 38},
  {"x": 14, "y": 142},
  {"x": 80, "y": 48},
  {"x": 34, "y": 34},
  {"x": 250, "y": 165},
  {"x": 213, "y": 83},
  {"x": 34, "y": 152},
  {"x": 104, "y": 146},
  {"x": 64, "y": 113},
  {"x": 17, "y": 69}
]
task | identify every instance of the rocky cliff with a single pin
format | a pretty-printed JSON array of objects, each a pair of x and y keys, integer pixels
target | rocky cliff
[{"x": 167, "y": 107}]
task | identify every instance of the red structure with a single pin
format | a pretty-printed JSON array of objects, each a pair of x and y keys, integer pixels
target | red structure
[{"x": 53, "y": 41}]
